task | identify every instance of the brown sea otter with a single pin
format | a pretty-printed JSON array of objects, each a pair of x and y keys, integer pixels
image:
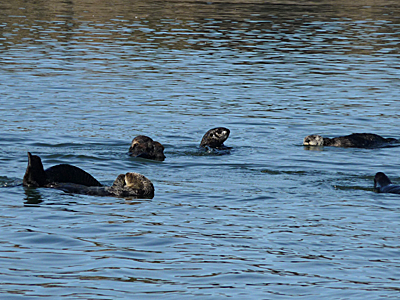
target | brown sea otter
[
  {"x": 215, "y": 138},
  {"x": 355, "y": 140},
  {"x": 126, "y": 185},
  {"x": 144, "y": 147},
  {"x": 75, "y": 180}
]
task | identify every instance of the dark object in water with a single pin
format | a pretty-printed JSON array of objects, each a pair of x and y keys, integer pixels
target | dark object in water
[
  {"x": 382, "y": 184},
  {"x": 354, "y": 140},
  {"x": 215, "y": 138},
  {"x": 36, "y": 176},
  {"x": 144, "y": 147},
  {"x": 75, "y": 180},
  {"x": 126, "y": 185}
]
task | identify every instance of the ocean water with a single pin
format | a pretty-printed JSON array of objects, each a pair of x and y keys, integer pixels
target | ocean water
[{"x": 271, "y": 220}]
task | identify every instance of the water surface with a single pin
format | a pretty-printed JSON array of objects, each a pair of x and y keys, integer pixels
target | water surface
[{"x": 271, "y": 220}]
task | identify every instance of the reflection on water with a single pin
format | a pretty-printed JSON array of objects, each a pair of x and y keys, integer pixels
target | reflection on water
[
  {"x": 273, "y": 28},
  {"x": 33, "y": 196},
  {"x": 80, "y": 79}
]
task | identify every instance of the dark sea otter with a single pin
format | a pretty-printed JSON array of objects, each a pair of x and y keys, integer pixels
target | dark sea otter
[
  {"x": 355, "y": 140},
  {"x": 36, "y": 176},
  {"x": 126, "y": 185},
  {"x": 215, "y": 138},
  {"x": 382, "y": 184},
  {"x": 75, "y": 180},
  {"x": 144, "y": 147}
]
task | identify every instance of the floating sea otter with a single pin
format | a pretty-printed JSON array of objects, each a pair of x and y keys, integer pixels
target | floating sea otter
[
  {"x": 215, "y": 138},
  {"x": 355, "y": 140},
  {"x": 144, "y": 147},
  {"x": 126, "y": 185},
  {"x": 382, "y": 184},
  {"x": 75, "y": 180}
]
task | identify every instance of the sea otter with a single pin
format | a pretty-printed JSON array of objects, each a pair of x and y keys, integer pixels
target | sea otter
[
  {"x": 382, "y": 184},
  {"x": 126, "y": 185},
  {"x": 36, "y": 176},
  {"x": 215, "y": 138},
  {"x": 144, "y": 147},
  {"x": 75, "y": 180},
  {"x": 355, "y": 140}
]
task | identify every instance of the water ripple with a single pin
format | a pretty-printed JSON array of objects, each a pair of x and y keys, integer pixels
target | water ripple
[{"x": 270, "y": 219}]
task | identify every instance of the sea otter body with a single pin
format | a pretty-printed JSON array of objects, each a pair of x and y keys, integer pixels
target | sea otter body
[
  {"x": 144, "y": 147},
  {"x": 36, "y": 176},
  {"x": 126, "y": 185},
  {"x": 215, "y": 138},
  {"x": 355, "y": 140},
  {"x": 382, "y": 184},
  {"x": 75, "y": 180}
]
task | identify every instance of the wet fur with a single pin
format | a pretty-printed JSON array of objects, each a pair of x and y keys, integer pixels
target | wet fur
[
  {"x": 355, "y": 140},
  {"x": 132, "y": 185},
  {"x": 144, "y": 147},
  {"x": 75, "y": 180},
  {"x": 215, "y": 138},
  {"x": 382, "y": 184},
  {"x": 36, "y": 176}
]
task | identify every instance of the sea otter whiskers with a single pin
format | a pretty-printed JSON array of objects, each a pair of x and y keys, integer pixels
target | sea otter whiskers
[
  {"x": 75, "y": 180},
  {"x": 355, "y": 140},
  {"x": 215, "y": 138},
  {"x": 144, "y": 147},
  {"x": 382, "y": 184}
]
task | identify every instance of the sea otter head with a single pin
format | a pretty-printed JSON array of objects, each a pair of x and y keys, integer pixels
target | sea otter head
[
  {"x": 140, "y": 144},
  {"x": 144, "y": 147},
  {"x": 381, "y": 180},
  {"x": 132, "y": 184},
  {"x": 313, "y": 140},
  {"x": 215, "y": 137}
]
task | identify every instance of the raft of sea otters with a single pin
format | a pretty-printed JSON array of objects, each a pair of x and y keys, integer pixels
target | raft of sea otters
[{"x": 72, "y": 179}]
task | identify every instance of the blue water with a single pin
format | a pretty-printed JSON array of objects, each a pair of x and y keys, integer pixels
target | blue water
[{"x": 271, "y": 220}]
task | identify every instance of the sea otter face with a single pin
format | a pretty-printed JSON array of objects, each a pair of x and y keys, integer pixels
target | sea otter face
[
  {"x": 144, "y": 147},
  {"x": 141, "y": 143},
  {"x": 313, "y": 140},
  {"x": 215, "y": 137},
  {"x": 132, "y": 184}
]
